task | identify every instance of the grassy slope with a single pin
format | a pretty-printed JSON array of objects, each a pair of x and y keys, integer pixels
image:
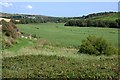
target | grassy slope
[
  {"x": 111, "y": 17},
  {"x": 57, "y": 34}
]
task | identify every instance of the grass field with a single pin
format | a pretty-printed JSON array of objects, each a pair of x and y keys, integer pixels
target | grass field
[
  {"x": 60, "y": 35},
  {"x": 55, "y": 55}
]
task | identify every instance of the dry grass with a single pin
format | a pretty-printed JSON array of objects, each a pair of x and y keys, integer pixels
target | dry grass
[
  {"x": 7, "y": 20},
  {"x": 42, "y": 50}
]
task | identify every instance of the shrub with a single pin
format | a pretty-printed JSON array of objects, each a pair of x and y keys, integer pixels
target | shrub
[
  {"x": 9, "y": 34},
  {"x": 96, "y": 46}
]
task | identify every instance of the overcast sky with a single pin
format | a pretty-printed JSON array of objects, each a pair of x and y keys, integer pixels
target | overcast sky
[{"x": 61, "y": 9}]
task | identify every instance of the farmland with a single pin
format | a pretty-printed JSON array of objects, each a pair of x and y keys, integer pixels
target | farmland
[
  {"x": 54, "y": 53},
  {"x": 58, "y": 34}
]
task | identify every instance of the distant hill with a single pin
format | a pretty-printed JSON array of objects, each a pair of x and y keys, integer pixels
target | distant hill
[
  {"x": 103, "y": 19},
  {"x": 111, "y": 16},
  {"x": 28, "y": 18},
  {"x": 18, "y": 16}
]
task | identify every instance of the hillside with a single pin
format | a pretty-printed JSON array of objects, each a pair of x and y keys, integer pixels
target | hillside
[
  {"x": 104, "y": 19},
  {"x": 32, "y": 18},
  {"x": 29, "y": 18},
  {"x": 109, "y": 16},
  {"x": 9, "y": 15}
]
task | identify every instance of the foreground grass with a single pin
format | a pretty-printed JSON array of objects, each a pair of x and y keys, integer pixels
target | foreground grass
[
  {"x": 55, "y": 62},
  {"x": 41, "y": 66}
]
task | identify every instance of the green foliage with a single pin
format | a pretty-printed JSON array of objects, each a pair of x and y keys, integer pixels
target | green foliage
[
  {"x": 104, "y": 19},
  {"x": 43, "y": 66},
  {"x": 93, "y": 23},
  {"x": 38, "y": 19},
  {"x": 96, "y": 46},
  {"x": 118, "y": 21}
]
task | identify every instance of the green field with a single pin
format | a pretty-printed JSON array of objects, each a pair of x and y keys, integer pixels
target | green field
[
  {"x": 60, "y": 35},
  {"x": 54, "y": 54}
]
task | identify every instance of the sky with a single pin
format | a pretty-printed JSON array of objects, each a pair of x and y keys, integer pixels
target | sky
[{"x": 58, "y": 9}]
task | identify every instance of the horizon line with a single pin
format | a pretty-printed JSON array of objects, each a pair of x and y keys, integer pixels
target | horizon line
[{"x": 60, "y": 16}]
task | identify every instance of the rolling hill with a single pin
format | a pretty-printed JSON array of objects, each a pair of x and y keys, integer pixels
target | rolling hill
[
  {"x": 109, "y": 16},
  {"x": 94, "y": 16}
]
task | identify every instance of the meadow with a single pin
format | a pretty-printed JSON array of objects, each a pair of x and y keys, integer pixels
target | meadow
[
  {"x": 60, "y": 35},
  {"x": 54, "y": 53}
]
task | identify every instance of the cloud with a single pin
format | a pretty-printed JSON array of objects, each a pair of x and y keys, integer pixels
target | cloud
[
  {"x": 29, "y": 7},
  {"x": 5, "y": 4}
]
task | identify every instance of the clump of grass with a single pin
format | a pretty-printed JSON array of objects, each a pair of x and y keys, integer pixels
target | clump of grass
[{"x": 40, "y": 43}]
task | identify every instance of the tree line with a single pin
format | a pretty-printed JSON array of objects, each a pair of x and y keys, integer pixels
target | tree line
[
  {"x": 93, "y": 23},
  {"x": 40, "y": 20}
]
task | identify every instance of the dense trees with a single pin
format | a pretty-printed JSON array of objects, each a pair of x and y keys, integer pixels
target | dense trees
[
  {"x": 93, "y": 23},
  {"x": 26, "y": 21},
  {"x": 43, "y": 20}
]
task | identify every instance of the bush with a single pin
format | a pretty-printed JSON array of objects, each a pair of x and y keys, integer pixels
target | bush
[
  {"x": 9, "y": 34},
  {"x": 96, "y": 46}
]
